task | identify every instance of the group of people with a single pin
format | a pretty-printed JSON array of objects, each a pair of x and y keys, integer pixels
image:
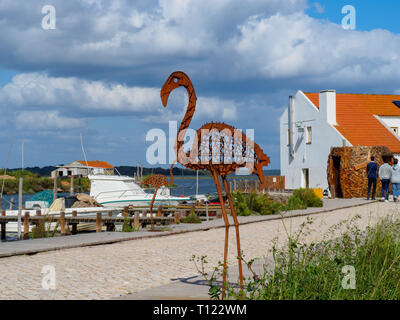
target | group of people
[{"x": 387, "y": 174}]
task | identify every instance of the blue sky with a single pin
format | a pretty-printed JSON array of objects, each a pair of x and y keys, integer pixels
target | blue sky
[{"x": 100, "y": 71}]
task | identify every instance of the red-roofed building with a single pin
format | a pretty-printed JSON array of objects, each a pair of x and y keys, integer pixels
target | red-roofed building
[
  {"x": 83, "y": 168},
  {"x": 315, "y": 122}
]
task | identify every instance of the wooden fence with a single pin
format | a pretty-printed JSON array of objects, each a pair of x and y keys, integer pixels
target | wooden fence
[
  {"x": 271, "y": 183},
  {"x": 133, "y": 216}
]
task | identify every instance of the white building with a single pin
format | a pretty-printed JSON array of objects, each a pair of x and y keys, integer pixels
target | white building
[
  {"x": 315, "y": 122},
  {"x": 83, "y": 168}
]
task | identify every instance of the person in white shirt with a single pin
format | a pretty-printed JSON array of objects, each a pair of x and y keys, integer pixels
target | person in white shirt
[{"x": 385, "y": 173}]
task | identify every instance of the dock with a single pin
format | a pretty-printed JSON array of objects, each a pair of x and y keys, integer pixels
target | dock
[{"x": 139, "y": 217}]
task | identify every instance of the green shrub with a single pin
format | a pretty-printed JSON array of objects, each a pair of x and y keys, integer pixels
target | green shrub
[
  {"x": 192, "y": 217},
  {"x": 302, "y": 199},
  {"x": 255, "y": 204}
]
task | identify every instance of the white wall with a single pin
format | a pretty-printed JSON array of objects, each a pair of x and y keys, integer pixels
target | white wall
[
  {"x": 390, "y": 122},
  {"x": 313, "y": 156}
]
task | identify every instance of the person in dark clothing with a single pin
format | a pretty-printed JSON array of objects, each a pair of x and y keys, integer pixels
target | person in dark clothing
[{"x": 372, "y": 174}]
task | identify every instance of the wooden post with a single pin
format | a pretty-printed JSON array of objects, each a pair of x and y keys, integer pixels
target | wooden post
[
  {"x": 176, "y": 218},
  {"x": 38, "y": 214},
  {"x": 74, "y": 224},
  {"x": 98, "y": 222},
  {"x": 62, "y": 223},
  {"x": 19, "y": 207},
  {"x": 55, "y": 186},
  {"x": 26, "y": 225},
  {"x": 11, "y": 203},
  {"x": 136, "y": 222},
  {"x": 3, "y": 226},
  {"x": 110, "y": 225},
  {"x": 144, "y": 213},
  {"x": 159, "y": 214},
  {"x": 72, "y": 185}
]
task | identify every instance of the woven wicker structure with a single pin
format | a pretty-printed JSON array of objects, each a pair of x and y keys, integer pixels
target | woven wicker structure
[{"x": 346, "y": 172}]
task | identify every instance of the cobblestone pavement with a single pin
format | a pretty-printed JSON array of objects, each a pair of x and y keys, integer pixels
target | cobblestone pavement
[{"x": 113, "y": 270}]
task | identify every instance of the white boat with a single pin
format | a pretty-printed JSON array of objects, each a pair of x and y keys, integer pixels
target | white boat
[{"x": 119, "y": 191}]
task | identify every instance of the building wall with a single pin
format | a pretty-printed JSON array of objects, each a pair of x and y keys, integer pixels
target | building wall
[
  {"x": 390, "y": 123},
  {"x": 312, "y": 156}
]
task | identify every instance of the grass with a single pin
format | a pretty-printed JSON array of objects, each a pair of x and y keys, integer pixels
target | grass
[
  {"x": 192, "y": 217},
  {"x": 127, "y": 225},
  {"x": 34, "y": 183},
  {"x": 43, "y": 229},
  {"x": 319, "y": 271}
]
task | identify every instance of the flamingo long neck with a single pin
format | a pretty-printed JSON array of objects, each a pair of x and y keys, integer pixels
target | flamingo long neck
[{"x": 191, "y": 107}]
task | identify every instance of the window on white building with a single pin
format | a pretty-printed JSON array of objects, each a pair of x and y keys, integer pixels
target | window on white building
[{"x": 308, "y": 135}]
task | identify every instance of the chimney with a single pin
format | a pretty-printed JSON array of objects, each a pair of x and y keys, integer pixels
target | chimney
[{"x": 327, "y": 106}]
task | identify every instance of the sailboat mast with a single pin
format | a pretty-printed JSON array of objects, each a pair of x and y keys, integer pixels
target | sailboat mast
[{"x": 22, "y": 160}]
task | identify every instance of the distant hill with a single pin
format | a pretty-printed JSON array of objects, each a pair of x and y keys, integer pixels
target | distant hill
[{"x": 130, "y": 170}]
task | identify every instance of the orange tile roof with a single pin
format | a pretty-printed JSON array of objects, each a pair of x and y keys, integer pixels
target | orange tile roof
[
  {"x": 356, "y": 122},
  {"x": 97, "y": 164}
]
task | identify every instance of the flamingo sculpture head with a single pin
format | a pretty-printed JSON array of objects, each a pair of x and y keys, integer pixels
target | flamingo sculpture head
[{"x": 175, "y": 80}]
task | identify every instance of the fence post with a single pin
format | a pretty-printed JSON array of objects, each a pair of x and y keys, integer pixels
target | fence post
[
  {"x": 110, "y": 225},
  {"x": 26, "y": 225},
  {"x": 74, "y": 224},
  {"x": 159, "y": 214},
  {"x": 3, "y": 226},
  {"x": 62, "y": 223},
  {"x": 176, "y": 218},
  {"x": 136, "y": 222}
]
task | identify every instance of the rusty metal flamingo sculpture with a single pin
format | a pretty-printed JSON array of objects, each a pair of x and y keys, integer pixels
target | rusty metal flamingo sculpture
[
  {"x": 157, "y": 181},
  {"x": 231, "y": 149}
]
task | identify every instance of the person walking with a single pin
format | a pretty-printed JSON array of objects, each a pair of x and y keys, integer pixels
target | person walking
[
  {"x": 385, "y": 173},
  {"x": 372, "y": 175},
  {"x": 395, "y": 179}
]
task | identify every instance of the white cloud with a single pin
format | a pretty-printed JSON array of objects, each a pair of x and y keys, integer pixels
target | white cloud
[
  {"x": 44, "y": 101},
  {"x": 45, "y": 121},
  {"x": 291, "y": 46}
]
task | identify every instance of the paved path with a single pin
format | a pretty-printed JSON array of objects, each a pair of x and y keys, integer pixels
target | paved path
[
  {"x": 129, "y": 267},
  {"x": 32, "y": 246}
]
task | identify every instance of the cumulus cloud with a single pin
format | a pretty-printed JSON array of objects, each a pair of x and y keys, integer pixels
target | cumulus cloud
[
  {"x": 47, "y": 100},
  {"x": 230, "y": 40},
  {"x": 120, "y": 34},
  {"x": 109, "y": 58},
  {"x": 45, "y": 121}
]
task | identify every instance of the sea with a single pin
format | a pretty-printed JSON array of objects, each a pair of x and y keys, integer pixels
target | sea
[{"x": 185, "y": 186}]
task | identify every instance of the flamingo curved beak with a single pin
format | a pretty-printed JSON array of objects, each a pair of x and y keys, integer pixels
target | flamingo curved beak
[
  {"x": 164, "y": 95},
  {"x": 166, "y": 89}
]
